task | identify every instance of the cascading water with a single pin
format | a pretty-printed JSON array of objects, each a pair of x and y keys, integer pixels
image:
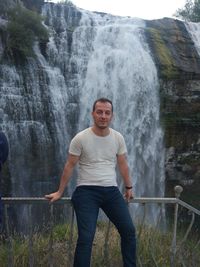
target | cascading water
[
  {"x": 194, "y": 31},
  {"x": 112, "y": 59},
  {"x": 120, "y": 67},
  {"x": 89, "y": 55}
]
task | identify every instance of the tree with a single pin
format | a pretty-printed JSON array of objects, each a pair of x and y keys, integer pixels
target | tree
[
  {"x": 190, "y": 12},
  {"x": 34, "y": 5},
  {"x": 24, "y": 27}
]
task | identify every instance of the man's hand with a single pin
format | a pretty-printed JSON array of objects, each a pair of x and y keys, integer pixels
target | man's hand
[
  {"x": 69, "y": 166},
  {"x": 53, "y": 196},
  {"x": 124, "y": 170},
  {"x": 128, "y": 195}
]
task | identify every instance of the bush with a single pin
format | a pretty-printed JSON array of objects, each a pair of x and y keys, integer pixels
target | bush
[
  {"x": 24, "y": 27},
  {"x": 190, "y": 12}
]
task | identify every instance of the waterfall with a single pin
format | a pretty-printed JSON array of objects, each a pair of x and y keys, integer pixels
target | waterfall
[
  {"x": 112, "y": 59},
  {"x": 193, "y": 29},
  {"x": 120, "y": 67},
  {"x": 46, "y": 103}
]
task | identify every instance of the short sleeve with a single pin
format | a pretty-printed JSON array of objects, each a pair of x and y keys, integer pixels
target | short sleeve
[
  {"x": 122, "y": 145},
  {"x": 75, "y": 147}
]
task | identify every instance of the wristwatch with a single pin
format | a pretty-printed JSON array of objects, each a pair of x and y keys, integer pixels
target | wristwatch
[{"x": 128, "y": 187}]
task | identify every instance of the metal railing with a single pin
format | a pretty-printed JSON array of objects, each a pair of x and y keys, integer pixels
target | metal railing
[{"x": 177, "y": 253}]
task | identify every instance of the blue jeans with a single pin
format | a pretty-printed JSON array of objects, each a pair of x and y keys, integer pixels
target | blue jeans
[{"x": 86, "y": 201}]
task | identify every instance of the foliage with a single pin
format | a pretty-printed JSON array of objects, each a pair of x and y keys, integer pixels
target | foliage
[
  {"x": 154, "y": 245},
  {"x": 4, "y": 6},
  {"x": 190, "y": 12},
  {"x": 24, "y": 27},
  {"x": 34, "y": 5},
  {"x": 65, "y": 2}
]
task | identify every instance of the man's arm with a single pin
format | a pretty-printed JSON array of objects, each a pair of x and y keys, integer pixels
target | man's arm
[
  {"x": 124, "y": 170},
  {"x": 67, "y": 172}
]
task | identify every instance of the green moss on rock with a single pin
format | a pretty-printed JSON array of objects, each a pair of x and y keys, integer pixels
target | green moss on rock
[{"x": 163, "y": 54}]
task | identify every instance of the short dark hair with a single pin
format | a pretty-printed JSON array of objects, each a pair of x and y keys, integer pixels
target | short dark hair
[{"x": 102, "y": 100}]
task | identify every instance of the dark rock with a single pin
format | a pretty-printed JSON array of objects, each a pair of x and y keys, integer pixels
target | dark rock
[
  {"x": 178, "y": 65},
  {"x": 173, "y": 50}
]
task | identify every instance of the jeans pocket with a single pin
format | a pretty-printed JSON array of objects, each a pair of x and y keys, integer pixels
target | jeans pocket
[
  {"x": 73, "y": 196},
  {"x": 76, "y": 194}
]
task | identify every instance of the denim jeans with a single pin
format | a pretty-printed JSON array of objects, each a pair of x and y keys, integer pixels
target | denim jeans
[{"x": 86, "y": 201}]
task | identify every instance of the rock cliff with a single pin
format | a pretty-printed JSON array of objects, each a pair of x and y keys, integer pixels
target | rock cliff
[{"x": 178, "y": 64}]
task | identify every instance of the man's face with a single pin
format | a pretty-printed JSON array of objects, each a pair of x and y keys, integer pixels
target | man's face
[{"x": 102, "y": 115}]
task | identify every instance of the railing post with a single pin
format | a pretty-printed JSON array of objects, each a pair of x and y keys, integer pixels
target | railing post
[
  {"x": 140, "y": 232},
  {"x": 178, "y": 190},
  {"x": 106, "y": 254},
  {"x": 71, "y": 236},
  {"x": 50, "y": 245},
  {"x": 30, "y": 240},
  {"x": 9, "y": 238}
]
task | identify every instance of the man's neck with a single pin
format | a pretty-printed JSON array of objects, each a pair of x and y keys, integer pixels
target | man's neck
[{"x": 100, "y": 131}]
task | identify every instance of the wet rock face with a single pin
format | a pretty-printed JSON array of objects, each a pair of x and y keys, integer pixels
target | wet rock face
[
  {"x": 180, "y": 112},
  {"x": 173, "y": 49},
  {"x": 178, "y": 67},
  {"x": 181, "y": 119}
]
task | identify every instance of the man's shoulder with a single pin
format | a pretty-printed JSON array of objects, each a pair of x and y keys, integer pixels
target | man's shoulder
[
  {"x": 116, "y": 133},
  {"x": 83, "y": 133},
  {"x": 78, "y": 141}
]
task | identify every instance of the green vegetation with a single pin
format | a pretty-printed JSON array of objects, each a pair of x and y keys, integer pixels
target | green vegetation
[
  {"x": 153, "y": 246},
  {"x": 34, "y": 5},
  {"x": 163, "y": 53},
  {"x": 24, "y": 27},
  {"x": 67, "y": 2},
  {"x": 4, "y": 6},
  {"x": 190, "y": 12}
]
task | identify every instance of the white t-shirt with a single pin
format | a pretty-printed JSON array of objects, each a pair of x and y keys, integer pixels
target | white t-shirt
[{"x": 97, "y": 156}]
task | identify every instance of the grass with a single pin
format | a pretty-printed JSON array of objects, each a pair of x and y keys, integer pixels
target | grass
[{"x": 153, "y": 248}]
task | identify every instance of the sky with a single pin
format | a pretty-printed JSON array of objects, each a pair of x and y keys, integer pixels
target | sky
[{"x": 144, "y": 9}]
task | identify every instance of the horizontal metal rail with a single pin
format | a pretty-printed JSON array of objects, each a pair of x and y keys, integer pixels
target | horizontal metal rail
[
  {"x": 31, "y": 200},
  {"x": 65, "y": 200}
]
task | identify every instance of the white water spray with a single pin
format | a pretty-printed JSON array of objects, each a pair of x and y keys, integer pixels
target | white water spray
[
  {"x": 120, "y": 67},
  {"x": 46, "y": 103}
]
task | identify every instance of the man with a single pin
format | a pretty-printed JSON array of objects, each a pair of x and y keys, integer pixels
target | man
[{"x": 98, "y": 149}]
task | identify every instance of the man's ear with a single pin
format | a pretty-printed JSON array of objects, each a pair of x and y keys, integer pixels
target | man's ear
[{"x": 112, "y": 118}]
